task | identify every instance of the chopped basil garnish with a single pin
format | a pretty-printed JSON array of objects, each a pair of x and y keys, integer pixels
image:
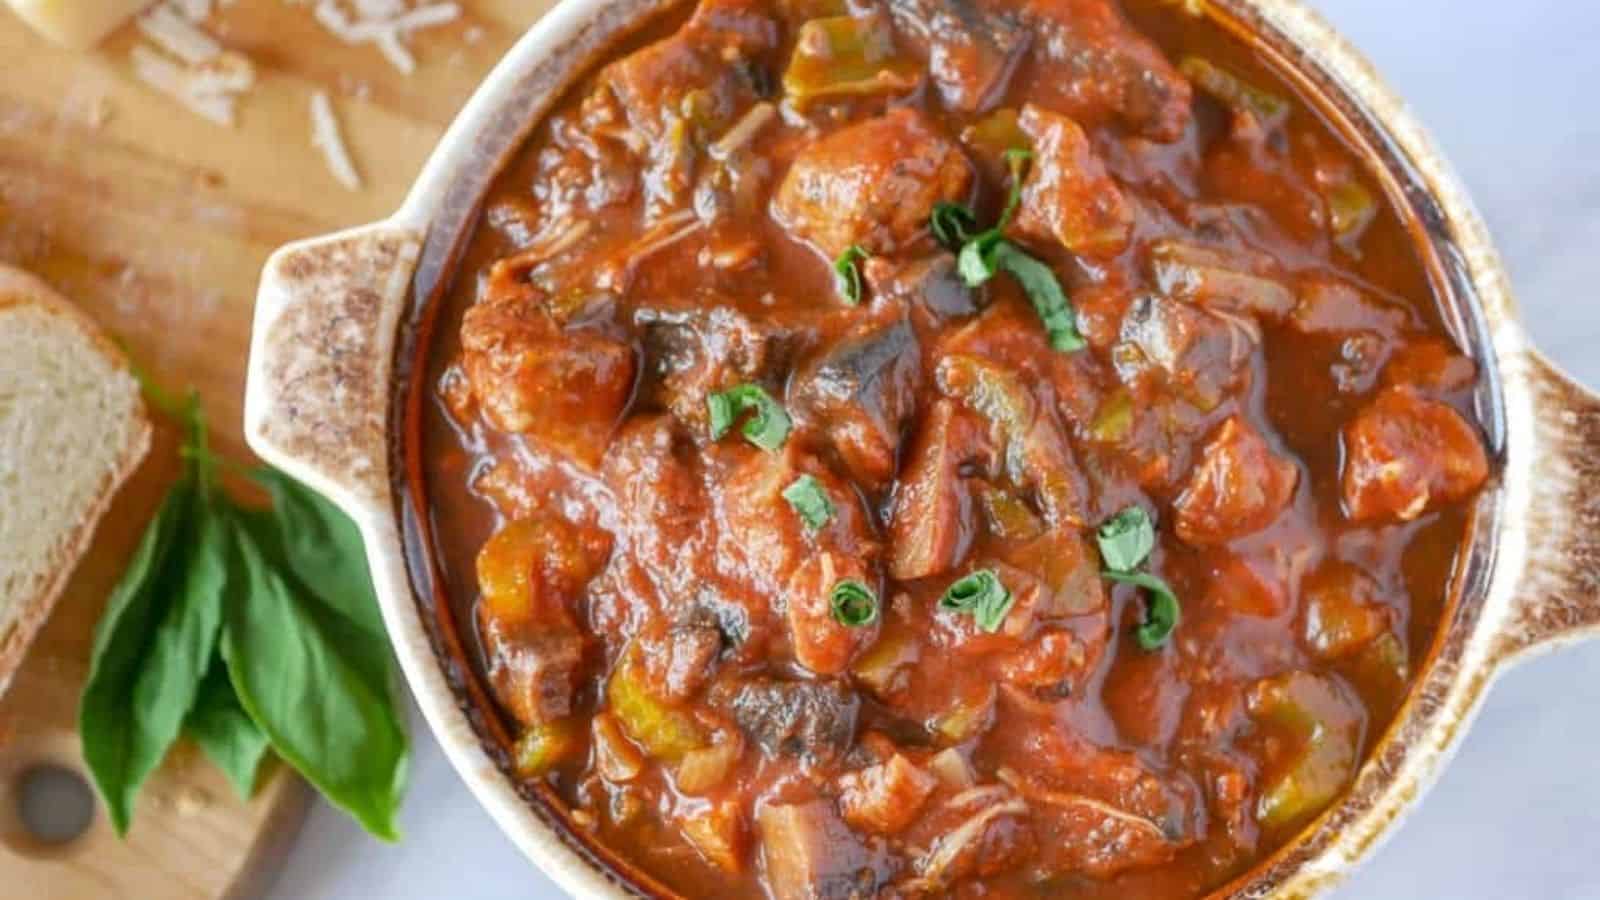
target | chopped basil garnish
[
  {"x": 1126, "y": 539},
  {"x": 981, "y": 594},
  {"x": 847, "y": 275},
  {"x": 810, "y": 499},
  {"x": 978, "y": 260},
  {"x": 951, "y": 224},
  {"x": 983, "y": 255},
  {"x": 767, "y": 428},
  {"x": 854, "y": 604},
  {"x": 1161, "y": 607},
  {"x": 1016, "y": 160},
  {"x": 1046, "y": 295}
]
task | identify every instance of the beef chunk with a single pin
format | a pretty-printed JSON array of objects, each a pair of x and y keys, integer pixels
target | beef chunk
[
  {"x": 1068, "y": 197},
  {"x": 873, "y": 183},
  {"x": 1081, "y": 834},
  {"x": 678, "y": 660},
  {"x": 1405, "y": 453},
  {"x": 763, "y": 539},
  {"x": 981, "y": 831},
  {"x": 971, "y": 51},
  {"x": 810, "y": 854},
  {"x": 692, "y": 351},
  {"x": 885, "y": 798},
  {"x": 860, "y": 391},
  {"x": 821, "y": 642},
  {"x": 535, "y": 675},
  {"x": 1054, "y": 664},
  {"x": 1090, "y": 63},
  {"x": 652, "y": 83},
  {"x": 813, "y": 721},
  {"x": 681, "y": 92},
  {"x": 1239, "y": 488},
  {"x": 662, "y": 504},
  {"x": 564, "y": 387}
]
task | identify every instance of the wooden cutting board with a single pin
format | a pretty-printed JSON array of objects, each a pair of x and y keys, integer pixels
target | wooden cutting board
[{"x": 157, "y": 222}]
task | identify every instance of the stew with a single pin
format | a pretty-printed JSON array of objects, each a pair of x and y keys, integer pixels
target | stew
[{"x": 915, "y": 448}]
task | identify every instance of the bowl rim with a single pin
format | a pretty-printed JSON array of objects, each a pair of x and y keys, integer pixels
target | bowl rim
[{"x": 1469, "y": 651}]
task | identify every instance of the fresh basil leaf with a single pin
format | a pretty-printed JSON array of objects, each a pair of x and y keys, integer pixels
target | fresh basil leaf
[
  {"x": 952, "y": 224},
  {"x": 1017, "y": 161},
  {"x": 324, "y": 550},
  {"x": 225, "y": 733},
  {"x": 991, "y": 614},
  {"x": 768, "y": 426},
  {"x": 982, "y": 595},
  {"x": 1126, "y": 539},
  {"x": 977, "y": 261},
  {"x": 116, "y": 747},
  {"x": 305, "y": 673},
  {"x": 322, "y": 554},
  {"x": 721, "y": 412},
  {"x": 854, "y": 604},
  {"x": 154, "y": 646},
  {"x": 1045, "y": 293},
  {"x": 810, "y": 499},
  {"x": 847, "y": 274},
  {"x": 1162, "y": 610}
]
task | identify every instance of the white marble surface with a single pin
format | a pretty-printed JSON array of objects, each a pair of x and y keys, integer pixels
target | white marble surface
[{"x": 1506, "y": 88}]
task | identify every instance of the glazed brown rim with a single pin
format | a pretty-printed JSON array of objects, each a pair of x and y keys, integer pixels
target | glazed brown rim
[{"x": 1407, "y": 192}]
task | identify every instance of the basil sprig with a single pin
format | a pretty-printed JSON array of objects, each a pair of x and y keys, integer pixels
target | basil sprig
[
  {"x": 768, "y": 426},
  {"x": 1127, "y": 539},
  {"x": 246, "y": 629},
  {"x": 811, "y": 501},
  {"x": 982, "y": 595},
  {"x": 854, "y": 605},
  {"x": 847, "y": 273},
  {"x": 1161, "y": 611},
  {"x": 1126, "y": 542},
  {"x": 952, "y": 223},
  {"x": 982, "y": 255}
]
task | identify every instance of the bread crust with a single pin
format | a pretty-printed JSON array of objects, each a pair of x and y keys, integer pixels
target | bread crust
[{"x": 21, "y": 625}]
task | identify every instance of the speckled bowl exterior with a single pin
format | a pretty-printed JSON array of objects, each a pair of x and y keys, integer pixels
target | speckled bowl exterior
[{"x": 335, "y": 330}]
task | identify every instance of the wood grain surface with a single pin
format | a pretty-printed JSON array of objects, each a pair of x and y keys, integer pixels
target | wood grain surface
[{"x": 157, "y": 222}]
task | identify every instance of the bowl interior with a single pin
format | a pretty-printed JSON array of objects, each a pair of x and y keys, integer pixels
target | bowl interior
[{"x": 542, "y": 81}]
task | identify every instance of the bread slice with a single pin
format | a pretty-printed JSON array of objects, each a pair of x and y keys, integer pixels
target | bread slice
[{"x": 72, "y": 428}]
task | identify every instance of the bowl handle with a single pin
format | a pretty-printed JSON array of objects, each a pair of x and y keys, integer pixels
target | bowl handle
[
  {"x": 1558, "y": 599},
  {"x": 317, "y": 395}
]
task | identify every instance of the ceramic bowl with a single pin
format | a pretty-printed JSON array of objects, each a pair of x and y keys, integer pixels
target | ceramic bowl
[{"x": 337, "y": 332}]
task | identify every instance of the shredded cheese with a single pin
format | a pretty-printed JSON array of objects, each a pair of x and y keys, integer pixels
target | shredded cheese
[
  {"x": 384, "y": 24},
  {"x": 196, "y": 11},
  {"x": 166, "y": 76},
  {"x": 170, "y": 30},
  {"x": 325, "y": 137},
  {"x": 189, "y": 65},
  {"x": 396, "y": 53}
]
